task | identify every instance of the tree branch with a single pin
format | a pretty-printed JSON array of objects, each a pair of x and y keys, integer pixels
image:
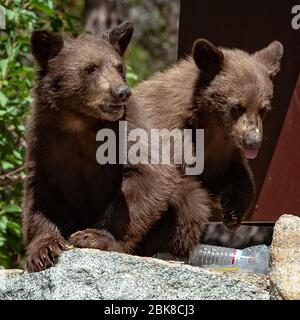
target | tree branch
[{"x": 11, "y": 177}]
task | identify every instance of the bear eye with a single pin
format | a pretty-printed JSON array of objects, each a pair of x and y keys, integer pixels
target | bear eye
[
  {"x": 120, "y": 68},
  {"x": 262, "y": 112},
  {"x": 238, "y": 110},
  {"x": 90, "y": 68}
]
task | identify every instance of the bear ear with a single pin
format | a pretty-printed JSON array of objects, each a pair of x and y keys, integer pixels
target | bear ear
[
  {"x": 120, "y": 36},
  {"x": 45, "y": 45},
  {"x": 207, "y": 57},
  {"x": 271, "y": 57}
]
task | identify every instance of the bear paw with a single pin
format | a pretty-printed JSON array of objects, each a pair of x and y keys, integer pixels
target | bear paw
[
  {"x": 95, "y": 239},
  {"x": 231, "y": 221},
  {"x": 43, "y": 252}
]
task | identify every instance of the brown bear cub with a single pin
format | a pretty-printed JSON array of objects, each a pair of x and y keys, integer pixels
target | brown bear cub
[
  {"x": 69, "y": 197},
  {"x": 227, "y": 93}
]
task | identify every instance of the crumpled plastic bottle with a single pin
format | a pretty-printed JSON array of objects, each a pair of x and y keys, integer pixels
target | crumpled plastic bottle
[{"x": 253, "y": 259}]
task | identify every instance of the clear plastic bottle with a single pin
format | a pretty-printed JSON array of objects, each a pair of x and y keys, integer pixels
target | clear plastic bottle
[{"x": 255, "y": 259}]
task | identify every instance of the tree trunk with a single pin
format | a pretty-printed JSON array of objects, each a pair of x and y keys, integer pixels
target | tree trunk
[{"x": 101, "y": 15}]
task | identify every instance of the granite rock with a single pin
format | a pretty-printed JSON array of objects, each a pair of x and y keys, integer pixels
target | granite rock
[
  {"x": 94, "y": 274},
  {"x": 285, "y": 259}
]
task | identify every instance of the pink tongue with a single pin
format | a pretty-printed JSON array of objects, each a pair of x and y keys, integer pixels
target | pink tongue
[{"x": 250, "y": 153}]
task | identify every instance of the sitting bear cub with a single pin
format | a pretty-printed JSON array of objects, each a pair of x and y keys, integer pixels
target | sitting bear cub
[
  {"x": 69, "y": 197},
  {"x": 226, "y": 92}
]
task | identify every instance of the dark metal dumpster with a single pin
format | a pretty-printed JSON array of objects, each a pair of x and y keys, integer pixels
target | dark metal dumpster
[{"x": 252, "y": 25}]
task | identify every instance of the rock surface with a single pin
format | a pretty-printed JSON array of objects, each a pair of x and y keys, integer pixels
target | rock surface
[
  {"x": 285, "y": 259},
  {"x": 93, "y": 274}
]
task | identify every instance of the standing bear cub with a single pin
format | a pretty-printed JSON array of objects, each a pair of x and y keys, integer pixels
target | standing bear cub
[
  {"x": 227, "y": 93},
  {"x": 69, "y": 197}
]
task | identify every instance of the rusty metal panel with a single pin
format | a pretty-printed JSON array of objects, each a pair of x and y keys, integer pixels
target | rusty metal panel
[
  {"x": 280, "y": 192},
  {"x": 250, "y": 26}
]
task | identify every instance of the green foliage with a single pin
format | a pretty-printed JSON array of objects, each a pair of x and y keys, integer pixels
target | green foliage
[
  {"x": 139, "y": 64},
  {"x": 16, "y": 82},
  {"x": 131, "y": 77}
]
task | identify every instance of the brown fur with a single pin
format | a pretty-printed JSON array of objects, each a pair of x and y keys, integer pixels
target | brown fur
[
  {"x": 69, "y": 197},
  {"x": 226, "y": 93}
]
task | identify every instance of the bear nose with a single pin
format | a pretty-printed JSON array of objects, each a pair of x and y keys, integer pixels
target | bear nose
[
  {"x": 253, "y": 139},
  {"x": 121, "y": 92}
]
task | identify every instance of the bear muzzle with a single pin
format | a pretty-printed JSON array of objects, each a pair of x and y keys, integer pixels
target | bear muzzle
[{"x": 251, "y": 144}]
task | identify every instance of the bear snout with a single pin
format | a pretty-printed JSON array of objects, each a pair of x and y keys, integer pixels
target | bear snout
[
  {"x": 252, "y": 140},
  {"x": 121, "y": 92}
]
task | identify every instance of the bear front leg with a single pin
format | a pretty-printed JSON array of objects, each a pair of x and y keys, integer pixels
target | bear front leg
[
  {"x": 146, "y": 190},
  {"x": 237, "y": 197},
  {"x": 111, "y": 226},
  {"x": 44, "y": 242},
  {"x": 180, "y": 228},
  {"x": 143, "y": 198},
  {"x": 191, "y": 204}
]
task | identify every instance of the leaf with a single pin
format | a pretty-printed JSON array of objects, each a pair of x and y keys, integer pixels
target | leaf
[
  {"x": 11, "y": 208},
  {"x": 15, "y": 52},
  {"x": 3, "y": 223},
  {"x": 2, "y": 241},
  {"x": 14, "y": 228},
  {"x": 43, "y": 8},
  {"x": 132, "y": 76},
  {"x": 20, "y": 127},
  {"x": 8, "y": 48},
  {"x": 3, "y": 67},
  {"x": 6, "y": 165},
  {"x": 3, "y": 100},
  {"x": 10, "y": 14},
  {"x": 17, "y": 154}
]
